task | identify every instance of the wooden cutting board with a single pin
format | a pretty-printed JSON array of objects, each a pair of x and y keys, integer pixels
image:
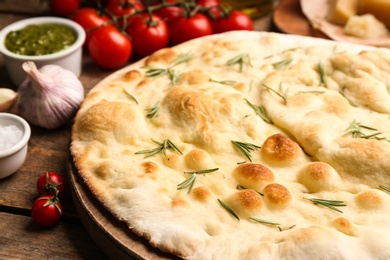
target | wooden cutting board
[
  {"x": 112, "y": 236},
  {"x": 289, "y": 18}
]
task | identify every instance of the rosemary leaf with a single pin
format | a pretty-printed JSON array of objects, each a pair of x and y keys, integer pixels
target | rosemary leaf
[
  {"x": 323, "y": 81},
  {"x": 152, "y": 112},
  {"x": 162, "y": 146},
  {"x": 130, "y": 96},
  {"x": 189, "y": 182},
  {"x": 281, "y": 93},
  {"x": 342, "y": 92},
  {"x": 384, "y": 188},
  {"x": 312, "y": 91},
  {"x": 154, "y": 72},
  {"x": 203, "y": 171},
  {"x": 181, "y": 59},
  {"x": 280, "y": 64},
  {"x": 260, "y": 111},
  {"x": 264, "y": 221},
  {"x": 229, "y": 209},
  {"x": 173, "y": 76},
  {"x": 240, "y": 60},
  {"x": 245, "y": 148},
  {"x": 240, "y": 187},
  {"x": 332, "y": 204},
  {"x": 225, "y": 82},
  {"x": 355, "y": 129}
]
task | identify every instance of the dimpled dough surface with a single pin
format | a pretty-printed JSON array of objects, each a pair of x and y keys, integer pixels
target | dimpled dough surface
[{"x": 321, "y": 96}]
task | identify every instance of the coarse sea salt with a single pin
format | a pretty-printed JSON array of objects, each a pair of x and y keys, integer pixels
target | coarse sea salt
[{"x": 9, "y": 136}]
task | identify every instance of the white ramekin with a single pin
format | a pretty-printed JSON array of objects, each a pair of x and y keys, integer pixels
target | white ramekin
[
  {"x": 69, "y": 58},
  {"x": 12, "y": 158}
]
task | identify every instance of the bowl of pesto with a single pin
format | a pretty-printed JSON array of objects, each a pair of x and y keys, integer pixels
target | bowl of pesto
[{"x": 43, "y": 40}]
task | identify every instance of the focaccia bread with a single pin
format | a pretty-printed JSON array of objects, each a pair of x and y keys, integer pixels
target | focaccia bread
[{"x": 245, "y": 145}]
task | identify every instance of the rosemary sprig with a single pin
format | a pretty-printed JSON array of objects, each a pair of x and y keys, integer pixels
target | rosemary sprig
[
  {"x": 162, "y": 146},
  {"x": 189, "y": 182},
  {"x": 246, "y": 148},
  {"x": 323, "y": 81},
  {"x": 173, "y": 76},
  {"x": 264, "y": 221},
  {"x": 260, "y": 111},
  {"x": 152, "y": 72},
  {"x": 355, "y": 129},
  {"x": 130, "y": 96},
  {"x": 312, "y": 91},
  {"x": 280, "y": 64},
  {"x": 282, "y": 93},
  {"x": 332, "y": 204},
  {"x": 229, "y": 209},
  {"x": 224, "y": 82},
  {"x": 240, "y": 60},
  {"x": 152, "y": 112},
  {"x": 384, "y": 188}
]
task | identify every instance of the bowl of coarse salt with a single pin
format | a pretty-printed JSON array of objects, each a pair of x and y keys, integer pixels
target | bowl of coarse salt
[{"x": 14, "y": 135}]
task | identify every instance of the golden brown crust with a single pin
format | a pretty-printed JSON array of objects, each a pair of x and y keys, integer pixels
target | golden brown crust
[
  {"x": 276, "y": 196},
  {"x": 253, "y": 175},
  {"x": 280, "y": 150}
]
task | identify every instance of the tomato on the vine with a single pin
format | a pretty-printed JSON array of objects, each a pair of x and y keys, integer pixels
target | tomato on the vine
[
  {"x": 48, "y": 182},
  {"x": 187, "y": 28},
  {"x": 64, "y": 7},
  {"x": 211, "y": 8},
  {"x": 109, "y": 48},
  {"x": 123, "y": 9},
  {"x": 89, "y": 18},
  {"x": 46, "y": 210},
  {"x": 148, "y": 34},
  {"x": 235, "y": 20},
  {"x": 170, "y": 12}
]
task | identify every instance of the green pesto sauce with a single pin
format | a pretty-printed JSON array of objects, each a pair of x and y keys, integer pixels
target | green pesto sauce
[{"x": 40, "y": 39}]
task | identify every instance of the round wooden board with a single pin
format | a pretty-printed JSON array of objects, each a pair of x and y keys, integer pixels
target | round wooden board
[
  {"x": 289, "y": 18},
  {"x": 111, "y": 235}
]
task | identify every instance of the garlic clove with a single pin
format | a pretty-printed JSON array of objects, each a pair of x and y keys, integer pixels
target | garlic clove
[{"x": 7, "y": 98}]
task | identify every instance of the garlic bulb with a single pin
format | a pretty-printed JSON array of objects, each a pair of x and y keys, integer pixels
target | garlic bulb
[{"x": 49, "y": 97}]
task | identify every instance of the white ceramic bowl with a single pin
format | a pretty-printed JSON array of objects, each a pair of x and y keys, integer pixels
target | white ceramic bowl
[
  {"x": 69, "y": 58},
  {"x": 13, "y": 157}
]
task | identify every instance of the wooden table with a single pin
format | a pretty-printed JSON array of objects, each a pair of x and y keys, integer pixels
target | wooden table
[{"x": 48, "y": 151}]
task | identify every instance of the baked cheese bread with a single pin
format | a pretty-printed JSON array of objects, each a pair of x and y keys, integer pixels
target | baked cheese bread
[{"x": 245, "y": 145}]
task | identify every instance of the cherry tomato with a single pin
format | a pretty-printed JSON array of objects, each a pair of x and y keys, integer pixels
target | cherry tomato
[
  {"x": 184, "y": 29},
  {"x": 90, "y": 19},
  {"x": 213, "y": 7},
  {"x": 236, "y": 20},
  {"x": 124, "y": 8},
  {"x": 64, "y": 7},
  {"x": 208, "y": 3},
  {"x": 170, "y": 13},
  {"x": 46, "y": 210},
  {"x": 109, "y": 48},
  {"x": 48, "y": 182},
  {"x": 148, "y": 34}
]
